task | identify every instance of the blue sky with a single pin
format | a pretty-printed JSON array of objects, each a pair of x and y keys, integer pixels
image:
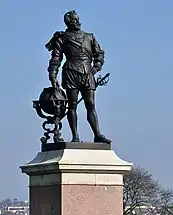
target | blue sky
[{"x": 135, "y": 109}]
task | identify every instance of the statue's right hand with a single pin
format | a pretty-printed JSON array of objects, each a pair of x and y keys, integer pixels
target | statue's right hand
[
  {"x": 55, "y": 85},
  {"x": 53, "y": 77}
]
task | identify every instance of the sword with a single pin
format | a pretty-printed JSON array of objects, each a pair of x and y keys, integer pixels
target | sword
[{"x": 100, "y": 81}]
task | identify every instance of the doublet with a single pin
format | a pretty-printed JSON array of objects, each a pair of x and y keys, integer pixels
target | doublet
[{"x": 82, "y": 52}]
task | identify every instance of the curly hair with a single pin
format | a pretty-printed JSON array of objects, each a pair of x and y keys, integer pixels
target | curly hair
[{"x": 69, "y": 16}]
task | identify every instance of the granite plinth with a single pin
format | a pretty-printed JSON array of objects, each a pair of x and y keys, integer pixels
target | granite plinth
[
  {"x": 73, "y": 181},
  {"x": 76, "y": 200}
]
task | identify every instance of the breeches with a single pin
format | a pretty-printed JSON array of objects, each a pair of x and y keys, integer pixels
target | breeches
[{"x": 75, "y": 80}]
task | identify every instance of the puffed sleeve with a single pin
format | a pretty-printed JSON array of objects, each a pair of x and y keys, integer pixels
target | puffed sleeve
[
  {"x": 98, "y": 54},
  {"x": 55, "y": 46}
]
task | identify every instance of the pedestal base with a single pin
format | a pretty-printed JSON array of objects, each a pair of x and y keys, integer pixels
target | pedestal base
[
  {"x": 78, "y": 181},
  {"x": 77, "y": 199}
]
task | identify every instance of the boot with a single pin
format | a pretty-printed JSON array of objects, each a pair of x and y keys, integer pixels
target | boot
[
  {"x": 101, "y": 139},
  {"x": 75, "y": 139}
]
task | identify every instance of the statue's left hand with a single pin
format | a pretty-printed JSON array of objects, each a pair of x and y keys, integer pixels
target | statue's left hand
[{"x": 94, "y": 70}]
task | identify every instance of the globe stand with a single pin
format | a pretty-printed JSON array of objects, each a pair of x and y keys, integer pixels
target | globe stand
[
  {"x": 54, "y": 104},
  {"x": 56, "y": 130}
]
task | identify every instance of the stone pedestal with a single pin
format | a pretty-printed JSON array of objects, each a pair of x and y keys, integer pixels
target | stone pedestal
[{"x": 76, "y": 179}]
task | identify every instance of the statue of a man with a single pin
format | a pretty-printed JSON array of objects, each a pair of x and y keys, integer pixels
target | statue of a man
[{"x": 84, "y": 58}]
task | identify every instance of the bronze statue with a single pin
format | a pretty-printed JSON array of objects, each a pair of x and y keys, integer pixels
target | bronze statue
[{"x": 84, "y": 58}]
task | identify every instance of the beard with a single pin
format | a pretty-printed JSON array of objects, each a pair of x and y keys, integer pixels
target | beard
[{"x": 74, "y": 26}]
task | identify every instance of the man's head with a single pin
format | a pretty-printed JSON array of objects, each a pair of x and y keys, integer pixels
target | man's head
[{"x": 71, "y": 20}]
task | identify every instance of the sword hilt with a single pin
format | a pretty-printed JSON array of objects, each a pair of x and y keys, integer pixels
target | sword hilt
[{"x": 102, "y": 81}]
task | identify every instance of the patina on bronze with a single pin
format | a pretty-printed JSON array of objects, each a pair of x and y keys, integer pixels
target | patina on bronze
[{"x": 84, "y": 58}]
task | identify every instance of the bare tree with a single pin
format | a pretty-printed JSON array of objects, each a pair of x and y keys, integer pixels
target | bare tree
[
  {"x": 144, "y": 195},
  {"x": 165, "y": 206}
]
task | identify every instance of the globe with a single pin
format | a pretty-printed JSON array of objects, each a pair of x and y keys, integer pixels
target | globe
[{"x": 49, "y": 101}]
